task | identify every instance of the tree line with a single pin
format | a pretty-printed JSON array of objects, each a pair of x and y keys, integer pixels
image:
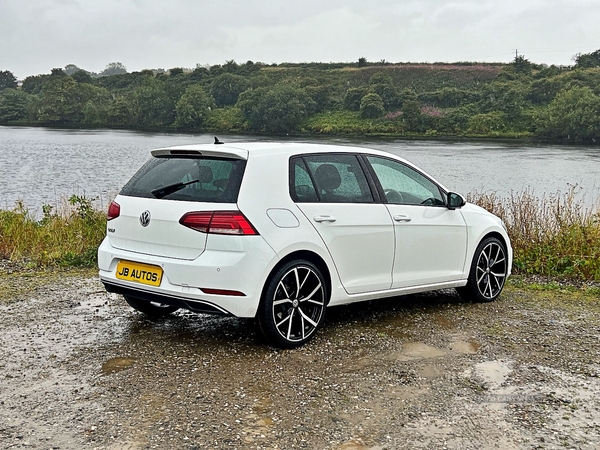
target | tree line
[{"x": 464, "y": 99}]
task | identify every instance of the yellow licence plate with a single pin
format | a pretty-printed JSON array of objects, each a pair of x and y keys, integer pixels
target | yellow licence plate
[{"x": 140, "y": 273}]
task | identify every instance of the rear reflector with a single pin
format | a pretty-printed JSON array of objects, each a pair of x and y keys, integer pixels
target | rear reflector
[
  {"x": 222, "y": 292},
  {"x": 114, "y": 210},
  {"x": 218, "y": 222}
]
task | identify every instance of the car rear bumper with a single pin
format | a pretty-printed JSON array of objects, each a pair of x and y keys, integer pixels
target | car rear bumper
[
  {"x": 199, "y": 306},
  {"x": 243, "y": 270}
]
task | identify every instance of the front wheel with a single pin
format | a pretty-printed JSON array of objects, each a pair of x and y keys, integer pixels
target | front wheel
[
  {"x": 488, "y": 272},
  {"x": 293, "y": 305},
  {"x": 152, "y": 310}
]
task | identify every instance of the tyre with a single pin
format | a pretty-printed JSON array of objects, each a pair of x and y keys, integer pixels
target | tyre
[
  {"x": 151, "y": 309},
  {"x": 293, "y": 305},
  {"x": 488, "y": 272}
]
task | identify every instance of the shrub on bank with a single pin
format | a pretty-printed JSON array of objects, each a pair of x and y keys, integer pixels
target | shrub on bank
[
  {"x": 552, "y": 235},
  {"x": 69, "y": 238}
]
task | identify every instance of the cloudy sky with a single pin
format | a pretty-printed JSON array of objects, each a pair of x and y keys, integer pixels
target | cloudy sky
[{"x": 37, "y": 35}]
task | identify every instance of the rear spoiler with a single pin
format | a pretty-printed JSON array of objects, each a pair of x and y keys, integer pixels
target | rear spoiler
[{"x": 196, "y": 151}]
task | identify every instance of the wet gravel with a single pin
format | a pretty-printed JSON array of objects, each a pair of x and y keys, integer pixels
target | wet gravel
[{"x": 80, "y": 370}]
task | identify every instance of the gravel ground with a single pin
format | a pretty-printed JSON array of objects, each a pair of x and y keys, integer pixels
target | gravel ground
[{"x": 81, "y": 370}]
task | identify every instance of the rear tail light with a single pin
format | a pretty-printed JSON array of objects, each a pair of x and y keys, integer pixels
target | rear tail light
[
  {"x": 218, "y": 222},
  {"x": 114, "y": 210}
]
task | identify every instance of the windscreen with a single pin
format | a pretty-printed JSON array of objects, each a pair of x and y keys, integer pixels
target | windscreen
[{"x": 214, "y": 180}]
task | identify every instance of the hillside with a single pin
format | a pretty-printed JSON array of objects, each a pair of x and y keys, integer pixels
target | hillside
[{"x": 520, "y": 99}]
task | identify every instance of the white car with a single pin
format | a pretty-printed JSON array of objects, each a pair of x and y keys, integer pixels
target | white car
[{"x": 281, "y": 231}]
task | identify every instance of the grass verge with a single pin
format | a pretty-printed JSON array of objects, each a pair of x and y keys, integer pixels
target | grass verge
[
  {"x": 553, "y": 235},
  {"x": 69, "y": 238}
]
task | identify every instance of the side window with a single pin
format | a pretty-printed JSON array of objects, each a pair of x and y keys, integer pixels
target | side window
[
  {"x": 303, "y": 189},
  {"x": 339, "y": 178},
  {"x": 403, "y": 185}
]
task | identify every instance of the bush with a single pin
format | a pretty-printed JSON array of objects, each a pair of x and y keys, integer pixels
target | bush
[
  {"x": 553, "y": 235},
  {"x": 492, "y": 122},
  {"x": 573, "y": 114},
  {"x": 227, "y": 87},
  {"x": 371, "y": 106},
  {"x": 70, "y": 238},
  {"x": 193, "y": 108},
  {"x": 278, "y": 110},
  {"x": 353, "y": 97}
]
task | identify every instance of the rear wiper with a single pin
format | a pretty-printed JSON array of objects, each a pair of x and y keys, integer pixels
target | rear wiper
[{"x": 171, "y": 188}]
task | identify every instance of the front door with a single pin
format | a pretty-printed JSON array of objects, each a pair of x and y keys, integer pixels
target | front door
[{"x": 431, "y": 240}]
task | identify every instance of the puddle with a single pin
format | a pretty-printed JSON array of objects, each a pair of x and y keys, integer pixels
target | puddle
[
  {"x": 419, "y": 350},
  {"x": 493, "y": 373},
  {"x": 468, "y": 347},
  {"x": 416, "y": 350},
  {"x": 429, "y": 372},
  {"x": 258, "y": 428},
  {"x": 116, "y": 365},
  {"x": 444, "y": 322},
  {"x": 263, "y": 405}
]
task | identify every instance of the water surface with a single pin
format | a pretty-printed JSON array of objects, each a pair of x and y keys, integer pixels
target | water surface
[{"x": 45, "y": 166}]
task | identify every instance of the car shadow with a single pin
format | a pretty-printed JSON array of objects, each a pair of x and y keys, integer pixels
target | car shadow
[{"x": 197, "y": 331}]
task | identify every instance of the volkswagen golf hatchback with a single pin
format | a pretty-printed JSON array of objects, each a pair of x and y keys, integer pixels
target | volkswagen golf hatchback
[{"x": 280, "y": 232}]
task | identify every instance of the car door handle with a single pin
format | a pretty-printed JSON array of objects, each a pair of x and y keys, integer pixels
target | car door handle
[
  {"x": 402, "y": 218},
  {"x": 324, "y": 219}
]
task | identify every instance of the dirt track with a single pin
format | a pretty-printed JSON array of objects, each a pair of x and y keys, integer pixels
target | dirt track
[{"x": 80, "y": 369}]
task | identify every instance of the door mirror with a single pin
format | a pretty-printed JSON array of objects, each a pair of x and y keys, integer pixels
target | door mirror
[{"x": 455, "y": 200}]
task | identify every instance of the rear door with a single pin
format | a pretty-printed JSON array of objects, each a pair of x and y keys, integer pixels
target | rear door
[
  {"x": 165, "y": 189},
  {"x": 431, "y": 240},
  {"x": 333, "y": 193}
]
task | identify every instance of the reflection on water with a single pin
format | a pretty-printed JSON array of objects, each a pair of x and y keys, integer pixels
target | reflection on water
[
  {"x": 42, "y": 166},
  {"x": 116, "y": 365}
]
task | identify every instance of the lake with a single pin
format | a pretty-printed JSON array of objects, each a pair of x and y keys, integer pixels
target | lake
[{"x": 45, "y": 166}]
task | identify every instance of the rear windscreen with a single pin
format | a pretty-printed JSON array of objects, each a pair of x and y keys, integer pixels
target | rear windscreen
[{"x": 213, "y": 180}]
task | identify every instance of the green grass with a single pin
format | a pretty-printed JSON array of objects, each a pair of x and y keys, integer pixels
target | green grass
[
  {"x": 349, "y": 122},
  {"x": 68, "y": 239},
  {"x": 552, "y": 235}
]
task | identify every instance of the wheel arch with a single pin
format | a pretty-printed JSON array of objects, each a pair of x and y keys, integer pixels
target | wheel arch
[
  {"x": 305, "y": 255},
  {"x": 496, "y": 235},
  {"x": 504, "y": 240}
]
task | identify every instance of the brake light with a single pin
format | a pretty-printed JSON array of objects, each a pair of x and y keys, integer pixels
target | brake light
[
  {"x": 218, "y": 222},
  {"x": 114, "y": 210}
]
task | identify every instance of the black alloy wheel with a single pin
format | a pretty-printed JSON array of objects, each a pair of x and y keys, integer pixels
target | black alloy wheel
[
  {"x": 293, "y": 305},
  {"x": 488, "y": 272}
]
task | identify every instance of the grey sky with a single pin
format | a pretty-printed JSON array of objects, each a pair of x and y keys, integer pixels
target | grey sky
[{"x": 37, "y": 35}]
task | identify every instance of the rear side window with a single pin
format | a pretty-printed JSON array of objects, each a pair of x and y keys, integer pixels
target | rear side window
[
  {"x": 212, "y": 180},
  {"x": 329, "y": 178}
]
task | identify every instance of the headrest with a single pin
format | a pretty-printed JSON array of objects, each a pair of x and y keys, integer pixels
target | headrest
[
  {"x": 205, "y": 174},
  {"x": 328, "y": 177}
]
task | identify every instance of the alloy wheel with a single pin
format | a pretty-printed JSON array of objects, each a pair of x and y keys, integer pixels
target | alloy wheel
[
  {"x": 491, "y": 270},
  {"x": 298, "y": 303}
]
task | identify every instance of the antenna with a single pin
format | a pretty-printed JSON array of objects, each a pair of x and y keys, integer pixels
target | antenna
[{"x": 217, "y": 141}]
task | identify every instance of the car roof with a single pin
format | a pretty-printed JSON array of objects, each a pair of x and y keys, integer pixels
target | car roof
[{"x": 242, "y": 150}]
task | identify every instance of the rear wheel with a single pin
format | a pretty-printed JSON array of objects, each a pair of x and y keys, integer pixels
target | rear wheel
[
  {"x": 488, "y": 272},
  {"x": 151, "y": 309},
  {"x": 293, "y": 305}
]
